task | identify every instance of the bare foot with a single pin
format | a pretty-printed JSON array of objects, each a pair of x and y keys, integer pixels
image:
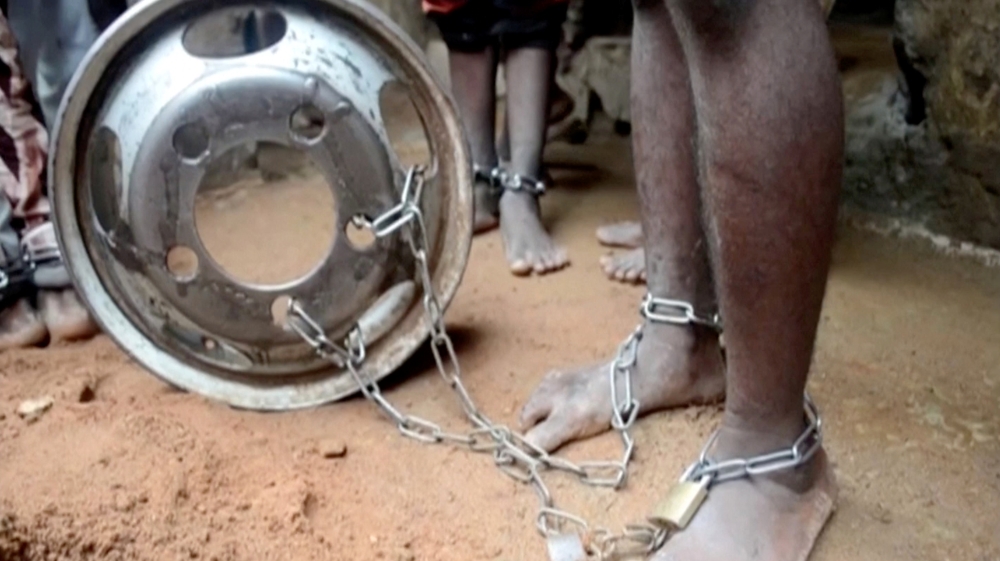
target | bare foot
[
  {"x": 529, "y": 247},
  {"x": 20, "y": 327},
  {"x": 677, "y": 365},
  {"x": 485, "y": 217},
  {"x": 777, "y": 517},
  {"x": 66, "y": 317},
  {"x": 621, "y": 234},
  {"x": 629, "y": 266}
]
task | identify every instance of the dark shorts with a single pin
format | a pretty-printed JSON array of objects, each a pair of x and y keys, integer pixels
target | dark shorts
[{"x": 480, "y": 24}]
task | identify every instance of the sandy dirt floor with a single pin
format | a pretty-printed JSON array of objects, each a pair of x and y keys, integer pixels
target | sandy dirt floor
[{"x": 124, "y": 467}]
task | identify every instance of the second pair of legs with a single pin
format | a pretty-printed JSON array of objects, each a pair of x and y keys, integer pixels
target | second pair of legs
[{"x": 528, "y": 245}]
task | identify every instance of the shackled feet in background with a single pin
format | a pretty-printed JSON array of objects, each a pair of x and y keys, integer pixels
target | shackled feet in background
[
  {"x": 529, "y": 248},
  {"x": 628, "y": 266},
  {"x": 487, "y": 201},
  {"x": 58, "y": 314},
  {"x": 60, "y": 317}
]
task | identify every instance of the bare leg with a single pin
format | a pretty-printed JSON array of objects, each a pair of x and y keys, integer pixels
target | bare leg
[
  {"x": 770, "y": 143},
  {"x": 529, "y": 247},
  {"x": 676, "y": 365},
  {"x": 503, "y": 143},
  {"x": 473, "y": 81},
  {"x": 559, "y": 108}
]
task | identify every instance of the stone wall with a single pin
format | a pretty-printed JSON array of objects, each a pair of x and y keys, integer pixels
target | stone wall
[{"x": 928, "y": 147}]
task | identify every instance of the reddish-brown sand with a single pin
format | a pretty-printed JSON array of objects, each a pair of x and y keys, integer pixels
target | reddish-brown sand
[{"x": 124, "y": 467}]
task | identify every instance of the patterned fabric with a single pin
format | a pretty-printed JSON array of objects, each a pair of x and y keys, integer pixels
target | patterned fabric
[{"x": 23, "y": 147}]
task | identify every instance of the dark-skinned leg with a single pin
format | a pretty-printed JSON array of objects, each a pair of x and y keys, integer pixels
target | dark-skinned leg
[
  {"x": 473, "y": 83},
  {"x": 676, "y": 365},
  {"x": 770, "y": 138},
  {"x": 530, "y": 249},
  {"x": 503, "y": 143}
]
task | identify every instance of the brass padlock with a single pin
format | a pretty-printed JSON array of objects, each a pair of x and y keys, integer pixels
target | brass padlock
[{"x": 680, "y": 505}]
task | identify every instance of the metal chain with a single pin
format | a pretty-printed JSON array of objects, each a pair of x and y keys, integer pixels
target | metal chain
[
  {"x": 801, "y": 451},
  {"x": 500, "y": 179},
  {"x": 678, "y": 312},
  {"x": 511, "y": 452}
]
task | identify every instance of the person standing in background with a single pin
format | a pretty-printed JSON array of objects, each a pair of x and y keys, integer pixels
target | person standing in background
[{"x": 525, "y": 35}]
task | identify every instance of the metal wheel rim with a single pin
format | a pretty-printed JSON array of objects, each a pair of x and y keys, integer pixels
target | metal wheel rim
[{"x": 451, "y": 164}]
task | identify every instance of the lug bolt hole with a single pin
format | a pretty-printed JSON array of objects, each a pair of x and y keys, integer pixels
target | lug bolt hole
[
  {"x": 279, "y": 310},
  {"x": 359, "y": 234},
  {"x": 182, "y": 262},
  {"x": 307, "y": 123},
  {"x": 191, "y": 141}
]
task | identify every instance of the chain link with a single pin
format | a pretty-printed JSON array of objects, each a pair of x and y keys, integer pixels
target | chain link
[
  {"x": 500, "y": 179},
  {"x": 801, "y": 451},
  {"x": 678, "y": 312}
]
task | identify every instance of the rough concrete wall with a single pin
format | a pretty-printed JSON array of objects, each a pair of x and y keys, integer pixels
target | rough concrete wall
[
  {"x": 929, "y": 147},
  {"x": 956, "y": 45}
]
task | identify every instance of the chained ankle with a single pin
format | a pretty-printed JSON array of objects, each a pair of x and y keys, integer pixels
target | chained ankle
[
  {"x": 678, "y": 312},
  {"x": 683, "y": 501},
  {"x": 501, "y": 181}
]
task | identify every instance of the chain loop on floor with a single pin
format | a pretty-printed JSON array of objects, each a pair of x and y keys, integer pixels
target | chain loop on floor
[{"x": 511, "y": 452}]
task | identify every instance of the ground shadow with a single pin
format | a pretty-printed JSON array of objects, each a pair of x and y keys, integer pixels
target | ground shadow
[
  {"x": 465, "y": 339},
  {"x": 575, "y": 176}
]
